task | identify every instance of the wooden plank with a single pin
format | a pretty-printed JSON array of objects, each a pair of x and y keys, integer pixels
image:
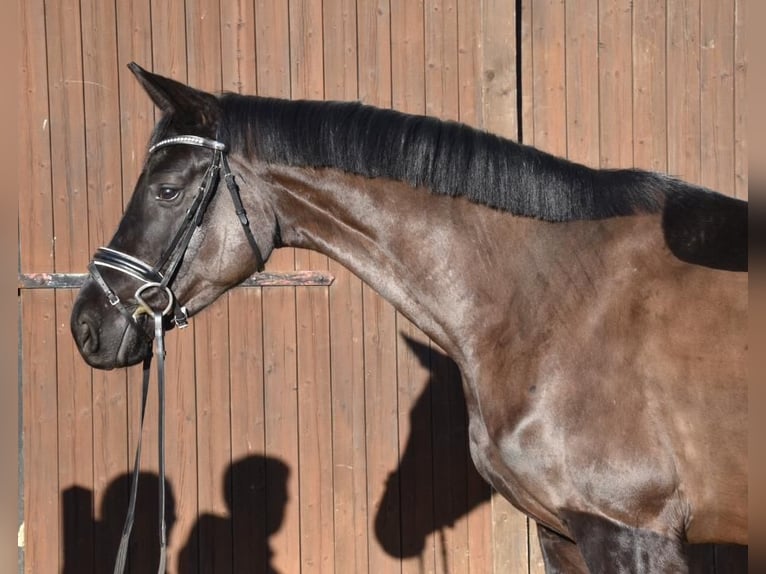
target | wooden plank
[
  {"x": 168, "y": 57},
  {"x": 279, "y": 314},
  {"x": 615, "y": 83},
  {"x": 407, "y": 56},
  {"x": 374, "y": 37},
  {"x": 442, "y": 84},
  {"x": 348, "y": 410},
  {"x": 499, "y": 68},
  {"x": 448, "y": 426},
  {"x": 181, "y": 446},
  {"x": 549, "y": 65},
  {"x": 67, "y": 119},
  {"x": 536, "y": 562},
  {"x": 470, "y": 66},
  {"x": 135, "y": 124},
  {"x": 72, "y": 248},
  {"x": 104, "y": 210},
  {"x": 238, "y": 32},
  {"x": 75, "y": 443},
  {"x": 39, "y": 396},
  {"x": 470, "y": 62},
  {"x": 510, "y": 537},
  {"x": 40, "y": 550},
  {"x": 415, "y": 472},
  {"x": 408, "y": 94},
  {"x": 339, "y": 18},
  {"x": 312, "y": 329},
  {"x": 717, "y": 94},
  {"x": 346, "y": 329},
  {"x": 509, "y": 527},
  {"x": 649, "y": 85},
  {"x": 251, "y": 472},
  {"x": 683, "y": 101},
  {"x": 211, "y": 352},
  {"x": 203, "y": 52},
  {"x": 110, "y": 459},
  {"x": 35, "y": 204},
  {"x": 525, "y": 75},
  {"x": 134, "y": 44},
  {"x": 740, "y": 100},
  {"x": 102, "y": 121},
  {"x": 280, "y": 399},
  {"x": 315, "y": 431},
  {"x": 379, "y": 319},
  {"x": 453, "y": 499},
  {"x": 582, "y": 117},
  {"x": 380, "y": 366}
]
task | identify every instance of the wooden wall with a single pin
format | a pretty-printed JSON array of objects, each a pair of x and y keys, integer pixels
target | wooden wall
[{"x": 315, "y": 428}]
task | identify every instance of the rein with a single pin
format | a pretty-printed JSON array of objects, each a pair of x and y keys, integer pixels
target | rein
[{"x": 158, "y": 278}]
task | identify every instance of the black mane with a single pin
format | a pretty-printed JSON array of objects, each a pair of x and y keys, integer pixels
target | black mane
[{"x": 446, "y": 157}]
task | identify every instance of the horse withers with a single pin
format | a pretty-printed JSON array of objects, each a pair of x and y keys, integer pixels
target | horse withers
[{"x": 598, "y": 317}]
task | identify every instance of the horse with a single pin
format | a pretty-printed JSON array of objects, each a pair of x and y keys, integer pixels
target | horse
[{"x": 597, "y": 317}]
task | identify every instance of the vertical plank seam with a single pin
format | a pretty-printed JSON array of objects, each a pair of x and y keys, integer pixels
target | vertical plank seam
[
  {"x": 21, "y": 446},
  {"x": 699, "y": 91},
  {"x": 20, "y": 509},
  {"x": 733, "y": 40},
  {"x": 566, "y": 87},
  {"x": 665, "y": 64},
  {"x": 632, "y": 84},
  {"x": 230, "y": 475},
  {"x": 59, "y": 509},
  {"x": 517, "y": 72},
  {"x": 119, "y": 104}
]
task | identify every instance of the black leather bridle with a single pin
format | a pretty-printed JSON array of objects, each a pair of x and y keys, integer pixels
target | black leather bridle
[
  {"x": 159, "y": 278},
  {"x": 161, "y": 275}
]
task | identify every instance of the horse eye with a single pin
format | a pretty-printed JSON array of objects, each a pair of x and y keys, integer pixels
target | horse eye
[{"x": 167, "y": 193}]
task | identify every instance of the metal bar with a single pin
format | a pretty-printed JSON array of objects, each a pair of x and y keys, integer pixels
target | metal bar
[{"x": 264, "y": 279}]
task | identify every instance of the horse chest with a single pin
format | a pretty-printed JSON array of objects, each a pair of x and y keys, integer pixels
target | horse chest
[{"x": 526, "y": 472}]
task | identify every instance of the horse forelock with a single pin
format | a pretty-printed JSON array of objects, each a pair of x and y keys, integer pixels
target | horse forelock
[{"x": 446, "y": 157}]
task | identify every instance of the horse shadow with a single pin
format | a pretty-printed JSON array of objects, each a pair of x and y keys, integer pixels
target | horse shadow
[
  {"x": 90, "y": 545},
  {"x": 255, "y": 491},
  {"x": 435, "y": 483}
]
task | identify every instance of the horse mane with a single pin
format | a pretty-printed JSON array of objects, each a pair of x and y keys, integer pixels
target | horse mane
[{"x": 446, "y": 157}]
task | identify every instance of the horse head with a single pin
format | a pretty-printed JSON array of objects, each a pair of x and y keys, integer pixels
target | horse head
[{"x": 179, "y": 245}]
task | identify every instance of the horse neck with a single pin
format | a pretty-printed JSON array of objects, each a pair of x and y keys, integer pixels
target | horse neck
[{"x": 439, "y": 260}]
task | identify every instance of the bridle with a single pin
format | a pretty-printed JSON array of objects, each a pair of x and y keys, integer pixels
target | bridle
[{"x": 159, "y": 277}]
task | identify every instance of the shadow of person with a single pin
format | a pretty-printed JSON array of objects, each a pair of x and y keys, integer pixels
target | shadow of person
[
  {"x": 436, "y": 447},
  {"x": 255, "y": 490},
  {"x": 90, "y": 545}
]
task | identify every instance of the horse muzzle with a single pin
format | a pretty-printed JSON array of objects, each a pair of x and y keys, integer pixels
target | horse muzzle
[{"x": 104, "y": 337}]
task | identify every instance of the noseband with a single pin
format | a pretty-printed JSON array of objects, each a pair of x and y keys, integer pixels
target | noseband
[{"x": 158, "y": 278}]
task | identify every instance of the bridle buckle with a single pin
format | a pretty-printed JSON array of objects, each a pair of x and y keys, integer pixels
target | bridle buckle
[{"x": 181, "y": 317}]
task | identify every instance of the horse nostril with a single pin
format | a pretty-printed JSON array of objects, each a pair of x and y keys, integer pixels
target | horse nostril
[{"x": 87, "y": 336}]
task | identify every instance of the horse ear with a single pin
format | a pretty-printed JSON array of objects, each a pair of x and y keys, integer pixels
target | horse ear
[{"x": 174, "y": 97}]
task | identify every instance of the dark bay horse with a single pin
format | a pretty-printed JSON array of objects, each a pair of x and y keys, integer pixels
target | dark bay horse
[{"x": 598, "y": 317}]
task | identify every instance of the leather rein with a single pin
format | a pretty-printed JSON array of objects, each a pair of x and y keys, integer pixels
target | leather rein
[{"x": 158, "y": 278}]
